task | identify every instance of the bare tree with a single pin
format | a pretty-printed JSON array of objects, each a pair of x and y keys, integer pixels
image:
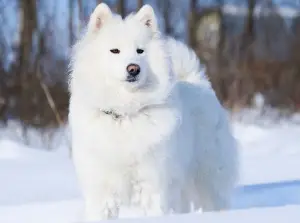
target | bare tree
[
  {"x": 140, "y": 3},
  {"x": 71, "y": 20},
  {"x": 28, "y": 21},
  {"x": 166, "y": 9},
  {"x": 81, "y": 14},
  {"x": 249, "y": 33},
  {"x": 191, "y": 23},
  {"x": 121, "y": 8},
  {"x": 167, "y": 14}
]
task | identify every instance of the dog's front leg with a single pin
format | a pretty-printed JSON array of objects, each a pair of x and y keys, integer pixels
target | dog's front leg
[
  {"x": 158, "y": 201},
  {"x": 100, "y": 189},
  {"x": 158, "y": 191},
  {"x": 100, "y": 203}
]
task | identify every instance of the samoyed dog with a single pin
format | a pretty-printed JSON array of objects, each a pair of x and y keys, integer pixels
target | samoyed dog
[{"x": 147, "y": 129}]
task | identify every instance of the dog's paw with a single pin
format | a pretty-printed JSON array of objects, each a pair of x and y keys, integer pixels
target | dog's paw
[
  {"x": 151, "y": 201},
  {"x": 109, "y": 209}
]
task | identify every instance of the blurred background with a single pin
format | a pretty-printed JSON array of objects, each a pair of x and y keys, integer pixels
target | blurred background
[{"x": 250, "y": 49}]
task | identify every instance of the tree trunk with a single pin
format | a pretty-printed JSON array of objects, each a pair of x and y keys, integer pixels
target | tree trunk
[
  {"x": 28, "y": 21},
  {"x": 81, "y": 14},
  {"x": 71, "y": 19},
  {"x": 121, "y": 8},
  {"x": 167, "y": 9},
  {"x": 249, "y": 25},
  {"x": 191, "y": 23},
  {"x": 140, "y": 3}
]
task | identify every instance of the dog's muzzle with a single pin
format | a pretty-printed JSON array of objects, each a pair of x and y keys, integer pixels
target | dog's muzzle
[{"x": 133, "y": 71}]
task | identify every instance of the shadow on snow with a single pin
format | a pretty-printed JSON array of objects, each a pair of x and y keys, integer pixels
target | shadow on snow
[{"x": 267, "y": 195}]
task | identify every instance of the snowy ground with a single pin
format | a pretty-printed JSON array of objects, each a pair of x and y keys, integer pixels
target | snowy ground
[{"x": 40, "y": 186}]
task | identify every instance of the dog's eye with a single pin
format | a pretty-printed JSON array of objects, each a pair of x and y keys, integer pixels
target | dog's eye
[
  {"x": 115, "y": 51},
  {"x": 140, "y": 51}
]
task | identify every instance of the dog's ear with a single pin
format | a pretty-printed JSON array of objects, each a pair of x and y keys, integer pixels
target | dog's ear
[
  {"x": 147, "y": 16},
  {"x": 101, "y": 14}
]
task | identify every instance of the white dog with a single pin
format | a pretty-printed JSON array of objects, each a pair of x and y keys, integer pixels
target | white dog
[{"x": 146, "y": 128}]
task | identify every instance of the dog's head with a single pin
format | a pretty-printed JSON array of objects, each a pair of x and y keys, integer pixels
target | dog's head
[{"x": 121, "y": 64}]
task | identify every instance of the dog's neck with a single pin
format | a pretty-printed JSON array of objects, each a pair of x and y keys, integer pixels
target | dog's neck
[
  {"x": 119, "y": 116},
  {"x": 112, "y": 113}
]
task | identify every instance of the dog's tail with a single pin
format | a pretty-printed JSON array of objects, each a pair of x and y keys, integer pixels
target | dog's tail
[{"x": 185, "y": 62}]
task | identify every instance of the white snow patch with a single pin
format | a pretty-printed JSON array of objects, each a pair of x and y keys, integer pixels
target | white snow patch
[{"x": 40, "y": 185}]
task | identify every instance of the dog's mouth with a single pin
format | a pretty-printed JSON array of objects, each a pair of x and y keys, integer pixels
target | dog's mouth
[
  {"x": 132, "y": 79},
  {"x": 135, "y": 83}
]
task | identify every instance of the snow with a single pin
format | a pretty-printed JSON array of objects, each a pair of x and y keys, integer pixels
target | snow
[
  {"x": 39, "y": 185},
  {"x": 274, "y": 215}
]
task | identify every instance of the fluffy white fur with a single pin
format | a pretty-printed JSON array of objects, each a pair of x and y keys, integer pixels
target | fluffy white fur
[{"x": 171, "y": 147}]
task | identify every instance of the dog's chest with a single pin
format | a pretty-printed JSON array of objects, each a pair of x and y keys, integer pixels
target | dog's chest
[{"x": 127, "y": 139}]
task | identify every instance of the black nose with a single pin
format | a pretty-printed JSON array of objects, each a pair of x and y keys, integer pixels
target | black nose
[{"x": 133, "y": 70}]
